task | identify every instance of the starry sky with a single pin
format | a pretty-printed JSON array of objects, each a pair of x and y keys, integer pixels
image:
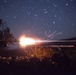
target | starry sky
[{"x": 45, "y": 19}]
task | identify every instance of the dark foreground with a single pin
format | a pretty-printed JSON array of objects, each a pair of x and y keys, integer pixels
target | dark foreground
[{"x": 62, "y": 62}]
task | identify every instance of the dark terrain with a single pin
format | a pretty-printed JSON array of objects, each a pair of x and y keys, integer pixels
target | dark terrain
[
  {"x": 62, "y": 62},
  {"x": 59, "y": 64}
]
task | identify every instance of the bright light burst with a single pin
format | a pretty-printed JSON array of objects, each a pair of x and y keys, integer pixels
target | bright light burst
[{"x": 24, "y": 41}]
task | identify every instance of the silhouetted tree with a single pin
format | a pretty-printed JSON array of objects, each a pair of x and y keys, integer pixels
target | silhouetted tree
[{"x": 5, "y": 36}]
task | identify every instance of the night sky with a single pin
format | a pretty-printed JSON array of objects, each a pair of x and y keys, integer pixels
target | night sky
[{"x": 45, "y": 19}]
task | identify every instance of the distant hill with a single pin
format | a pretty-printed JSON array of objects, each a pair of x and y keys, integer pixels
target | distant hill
[{"x": 73, "y": 38}]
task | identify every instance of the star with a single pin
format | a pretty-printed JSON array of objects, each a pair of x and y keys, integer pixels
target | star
[
  {"x": 60, "y": 18},
  {"x": 29, "y": 13},
  {"x": 5, "y": 1},
  {"x": 45, "y": 11},
  {"x": 66, "y": 4},
  {"x": 55, "y": 15},
  {"x": 54, "y": 5},
  {"x": 14, "y": 17},
  {"x": 53, "y": 22}
]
